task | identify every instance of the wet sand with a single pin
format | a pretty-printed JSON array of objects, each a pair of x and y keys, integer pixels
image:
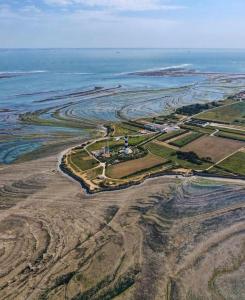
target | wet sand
[{"x": 167, "y": 238}]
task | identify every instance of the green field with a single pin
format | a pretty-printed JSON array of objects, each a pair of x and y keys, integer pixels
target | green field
[
  {"x": 205, "y": 130},
  {"x": 160, "y": 150},
  {"x": 124, "y": 128},
  {"x": 81, "y": 160},
  {"x": 164, "y": 166},
  {"x": 231, "y": 114},
  {"x": 171, "y": 154},
  {"x": 170, "y": 135},
  {"x": 124, "y": 169},
  {"x": 232, "y": 136},
  {"x": 182, "y": 141},
  {"x": 229, "y": 130},
  {"x": 234, "y": 164}
]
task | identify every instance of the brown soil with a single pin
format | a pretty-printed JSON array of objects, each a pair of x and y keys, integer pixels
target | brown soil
[
  {"x": 132, "y": 166},
  {"x": 214, "y": 147}
]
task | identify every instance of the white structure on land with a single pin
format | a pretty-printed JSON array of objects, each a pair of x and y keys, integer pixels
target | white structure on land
[{"x": 161, "y": 127}]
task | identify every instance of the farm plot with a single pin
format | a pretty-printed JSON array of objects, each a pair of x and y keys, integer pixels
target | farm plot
[
  {"x": 234, "y": 164},
  {"x": 81, "y": 161},
  {"x": 231, "y": 114},
  {"x": 170, "y": 135},
  {"x": 186, "y": 139},
  {"x": 233, "y": 136},
  {"x": 126, "y": 168},
  {"x": 124, "y": 128},
  {"x": 214, "y": 148},
  {"x": 174, "y": 157}
]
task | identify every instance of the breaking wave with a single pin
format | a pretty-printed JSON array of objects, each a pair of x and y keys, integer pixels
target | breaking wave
[
  {"x": 22, "y": 72},
  {"x": 168, "y": 68}
]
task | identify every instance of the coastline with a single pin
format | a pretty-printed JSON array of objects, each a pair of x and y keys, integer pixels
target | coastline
[{"x": 240, "y": 180}]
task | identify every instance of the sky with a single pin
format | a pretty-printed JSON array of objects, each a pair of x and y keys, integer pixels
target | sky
[{"x": 122, "y": 24}]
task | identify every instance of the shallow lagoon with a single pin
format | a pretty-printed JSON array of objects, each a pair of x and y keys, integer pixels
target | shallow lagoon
[{"x": 58, "y": 88}]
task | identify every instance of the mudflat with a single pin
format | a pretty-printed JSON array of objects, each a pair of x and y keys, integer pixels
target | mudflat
[{"x": 164, "y": 239}]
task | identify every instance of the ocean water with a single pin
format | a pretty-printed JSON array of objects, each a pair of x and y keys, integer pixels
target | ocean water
[{"x": 93, "y": 86}]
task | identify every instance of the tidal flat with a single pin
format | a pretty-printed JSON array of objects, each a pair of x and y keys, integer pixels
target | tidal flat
[{"x": 167, "y": 238}]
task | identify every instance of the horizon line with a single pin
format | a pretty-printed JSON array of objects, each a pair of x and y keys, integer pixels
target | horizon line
[{"x": 122, "y": 48}]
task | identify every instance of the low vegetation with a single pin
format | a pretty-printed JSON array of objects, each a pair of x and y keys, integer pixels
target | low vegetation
[
  {"x": 232, "y": 136},
  {"x": 234, "y": 164},
  {"x": 213, "y": 148},
  {"x": 170, "y": 135},
  {"x": 230, "y": 114},
  {"x": 182, "y": 141},
  {"x": 189, "y": 156},
  {"x": 196, "y": 108},
  {"x": 82, "y": 160},
  {"x": 123, "y": 129},
  {"x": 178, "y": 158},
  {"x": 127, "y": 168}
]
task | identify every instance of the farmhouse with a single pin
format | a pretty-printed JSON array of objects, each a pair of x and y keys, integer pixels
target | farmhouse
[
  {"x": 195, "y": 122},
  {"x": 161, "y": 127}
]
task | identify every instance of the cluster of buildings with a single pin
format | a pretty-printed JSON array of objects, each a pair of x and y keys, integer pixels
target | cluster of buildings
[
  {"x": 105, "y": 152},
  {"x": 161, "y": 127},
  {"x": 200, "y": 123}
]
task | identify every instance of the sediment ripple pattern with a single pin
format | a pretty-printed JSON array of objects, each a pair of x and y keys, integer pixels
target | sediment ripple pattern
[{"x": 165, "y": 239}]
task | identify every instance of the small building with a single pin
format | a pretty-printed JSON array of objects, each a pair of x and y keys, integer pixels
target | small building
[{"x": 161, "y": 127}]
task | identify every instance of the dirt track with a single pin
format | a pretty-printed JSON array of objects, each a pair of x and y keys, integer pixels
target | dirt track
[{"x": 164, "y": 239}]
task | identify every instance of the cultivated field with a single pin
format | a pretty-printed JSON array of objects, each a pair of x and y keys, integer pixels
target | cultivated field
[
  {"x": 186, "y": 139},
  {"x": 233, "y": 136},
  {"x": 126, "y": 168},
  {"x": 80, "y": 160},
  {"x": 233, "y": 113},
  {"x": 171, "y": 135},
  {"x": 214, "y": 147},
  {"x": 172, "y": 156},
  {"x": 235, "y": 163}
]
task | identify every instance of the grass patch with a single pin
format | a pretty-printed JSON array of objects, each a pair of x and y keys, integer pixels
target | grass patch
[
  {"x": 205, "y": 130},
  {"x": 234, "y": 164},
  {"x": 151, "y": 170},
  {"x": 81, "y": 160},
  {"x": 228, "y": 130},
  {"x": 124, "y": 128},
  {"x": 160, "y": 150},
  {"x": 232, "y": 136},
  {"x": 231, "y": 114},
  {"x": 170, "y": 135},
  {"x": 93, "y": 173},
  {"x": 127, "y": 168}
]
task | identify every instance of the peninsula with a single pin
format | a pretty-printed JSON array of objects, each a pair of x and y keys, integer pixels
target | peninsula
[{"x": 198, "y": 139}]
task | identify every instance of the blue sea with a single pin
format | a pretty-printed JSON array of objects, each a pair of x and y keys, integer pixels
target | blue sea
[{"x": 99, "y": 85}]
